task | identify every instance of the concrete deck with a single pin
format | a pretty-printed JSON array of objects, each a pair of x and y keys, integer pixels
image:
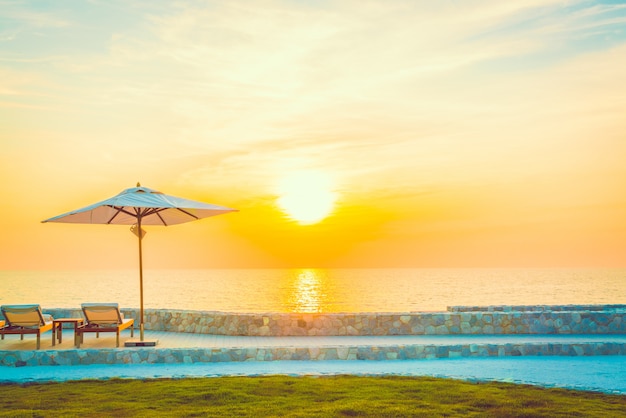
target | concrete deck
[{"x": 175, "y": 340}]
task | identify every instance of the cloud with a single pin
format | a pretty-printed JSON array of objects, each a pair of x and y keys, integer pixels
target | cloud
[
  {"x": 14, "y": 12},
  {"x": 362, "y": 88}
]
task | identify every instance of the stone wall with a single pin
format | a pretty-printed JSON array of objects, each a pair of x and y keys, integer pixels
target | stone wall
[
  {"x": 458, "y": 320},
  {"x": 535, "y": 308},
  {"x": 212, "y": 355}
]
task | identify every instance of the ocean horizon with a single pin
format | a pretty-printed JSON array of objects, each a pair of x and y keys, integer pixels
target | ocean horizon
[{"x": 316, "y": 290}]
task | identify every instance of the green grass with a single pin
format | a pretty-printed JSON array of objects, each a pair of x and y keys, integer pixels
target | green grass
[{"x": 282, "y": 396}]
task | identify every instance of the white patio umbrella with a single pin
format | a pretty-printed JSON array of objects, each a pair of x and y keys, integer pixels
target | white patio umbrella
[{"x": 139, "y": 206}]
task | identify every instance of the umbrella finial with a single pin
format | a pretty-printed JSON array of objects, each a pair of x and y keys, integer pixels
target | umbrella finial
[{"x": 138, "y": 184}]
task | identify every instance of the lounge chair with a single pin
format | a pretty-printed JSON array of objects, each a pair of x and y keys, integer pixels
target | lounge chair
[
  {"x": 25, "y": 319},
  {"x": 103, "y": 317}
]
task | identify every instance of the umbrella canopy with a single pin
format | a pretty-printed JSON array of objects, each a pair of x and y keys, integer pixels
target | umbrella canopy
[
  {"x": 136, "y": 204},
  {"x": 139, "y": 206}
]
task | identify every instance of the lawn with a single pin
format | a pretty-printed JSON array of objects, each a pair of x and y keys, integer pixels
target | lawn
[{"x": 284, "y": 396}]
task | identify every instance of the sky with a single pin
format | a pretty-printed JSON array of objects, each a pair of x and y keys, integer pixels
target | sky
[{"x": 353, "y": 134}]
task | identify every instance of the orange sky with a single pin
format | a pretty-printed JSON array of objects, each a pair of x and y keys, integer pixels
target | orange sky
[{"x": 469, "y": 135}]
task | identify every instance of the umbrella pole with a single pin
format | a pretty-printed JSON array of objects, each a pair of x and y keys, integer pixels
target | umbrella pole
[{"x": 140, "y": 281}]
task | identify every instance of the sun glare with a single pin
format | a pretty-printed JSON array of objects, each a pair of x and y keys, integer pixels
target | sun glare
[{"x": 306, "y": 197}]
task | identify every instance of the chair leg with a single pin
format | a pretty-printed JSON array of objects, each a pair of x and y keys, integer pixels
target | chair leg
[
  {"x": 132, "y": 331},
  {"x": 38, "y": 340},
  {"x": 117, "y": 338}
]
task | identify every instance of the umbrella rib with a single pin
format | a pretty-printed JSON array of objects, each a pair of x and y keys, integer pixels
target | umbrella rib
[
  {"x": 188, "y": 213},
  {"x": 160, "y": 217},
  {"x": 148, "y": 211},
  {"x": 118, "y": 209},
  {"x": 154, "y": 211}
]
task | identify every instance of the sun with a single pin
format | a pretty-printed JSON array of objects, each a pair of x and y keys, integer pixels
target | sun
[{"x": 306, "y": 196}]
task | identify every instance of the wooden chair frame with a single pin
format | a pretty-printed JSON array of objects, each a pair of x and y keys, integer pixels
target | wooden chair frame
[
  {"x": 23, "y": 320},
  {"x": 103, "y": 317}
]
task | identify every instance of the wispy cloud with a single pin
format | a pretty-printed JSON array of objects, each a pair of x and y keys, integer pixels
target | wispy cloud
[
  {"x": 379, "y": 85},
  {"x": 14, "y": 12}
]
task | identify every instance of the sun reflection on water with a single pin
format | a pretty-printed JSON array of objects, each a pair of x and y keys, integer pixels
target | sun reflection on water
[{"x": 308, "y": 293}]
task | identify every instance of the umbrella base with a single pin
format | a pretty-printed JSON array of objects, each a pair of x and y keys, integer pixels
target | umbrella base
[{"x": 139, "y": 343}]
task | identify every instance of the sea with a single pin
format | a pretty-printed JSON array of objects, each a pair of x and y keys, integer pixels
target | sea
[{"x": 315, "y": 290}]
